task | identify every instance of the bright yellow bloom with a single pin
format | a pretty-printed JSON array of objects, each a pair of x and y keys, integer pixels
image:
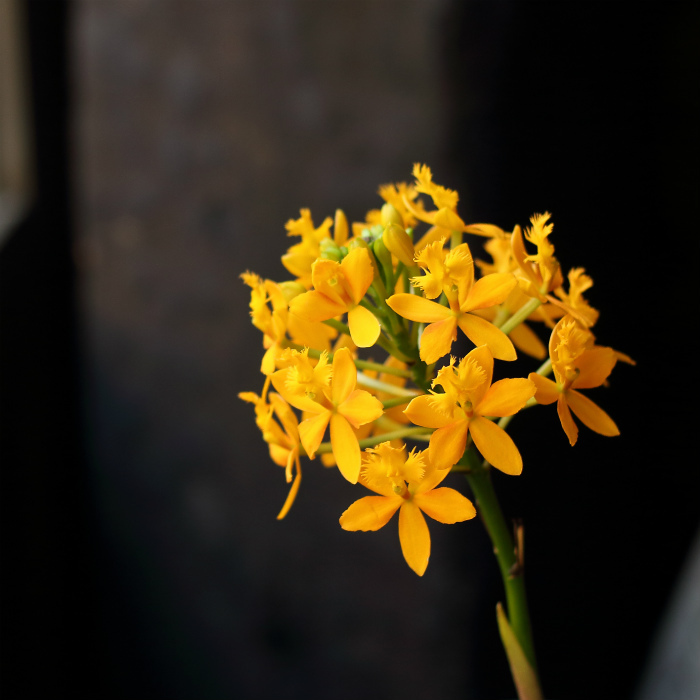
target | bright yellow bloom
[
  {"x": 577, "y": 364},
  {"x": 406, "y": 484},
  {"x": 339, "y": 288},
  {"x": 468, "y": 398},
  {"x": 573, "y": 302},
  {"x": 301, "y": 256},
  {"x": 282, "y": 438},
  {"x": 329, "y": 394},
  {"x": 541, "y": 270},
  {"x": 453, "y": 273}
]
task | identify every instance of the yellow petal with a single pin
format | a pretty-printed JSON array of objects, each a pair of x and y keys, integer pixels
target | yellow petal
[
  {"x": 567, "y": 422},
  {"x": 311, "y": 432},
  {"x": 414, "y": 536},
  {"x": 449, "y": 219},
  {"x": 437, "y": 340},
  {"x": 496, "y": 446},
  {"x": 489, "y": 291},
  {"x": 346, "y": 449},
  {"x": 594, "y": 367},
  {"x": 344, "y": 375},
  {"x": 359, "y": 272},
  {"x": 591, "y": 414},
  {"x": 364, "y": 327},
  {"x": 314, "y": 306},
  {"x": 481, "y": 332},
  {"x": 506, "y": 397},
  {"x": 340, "y": 228},
  {"x": 279, "y": 454},
  {"x": 360, "y": 408},
  {"x": 300, "y": 401},
  {"x": 416, "y": 308},
  {"x": 421, "y": 411},
  {"x": 447, "y": 444},
  {"x": 445, "y": 505},
  {"x": 525, "y": 339},
  {"x": 292, "y": 493},
  {"x": 370, "y": 513},
  {"x": 547, "y": 391}
]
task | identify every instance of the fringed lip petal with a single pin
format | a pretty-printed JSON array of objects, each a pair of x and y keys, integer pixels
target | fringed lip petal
[
  {"x": 302, "y": 402},
  {"x": 360, "y": 408},
  {"x": 364, "y": 327},
  {"x": 506, "y": 397},
  {"x": 590, "y": 414},
  {"x": 346, "y": 448},
  {"x": 344, "y": 375},
  {"x": 489, "y": 290},
  {"x": 311, "y": 432},
  {"x": 547, "y": 391},
  {"x": 437, "y": 340},
  {"x": 416, "y": 308},
  {"x": 496, "y": 446},
  {"x": 445, "y": 505},
  {"x": 481, "y": 332},
  {"x": 449, "y": 219},
  {"x": 567, "y": 422},
  {"x": 370, "y": 513},
  {"x": 414, "y": 536},
  {"x": 422, "y": 412},
  {"x": 359, "y": 272},
  {"x": 316, "y": 307},
  {"x": 447, "y": 444}
]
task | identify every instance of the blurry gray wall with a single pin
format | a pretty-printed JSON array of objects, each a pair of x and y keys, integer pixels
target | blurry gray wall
[{"x": 200, "y": 128}]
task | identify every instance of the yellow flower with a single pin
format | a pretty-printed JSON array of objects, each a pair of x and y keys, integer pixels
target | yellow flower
[
  {"x": 577, "y": 364},
  {"x": 339, "y": 288},
  {"x": 282, "y": 438},
  {"x": 461, "y": 410},
  {"x": 406, "y": 484},
  {"x": 332, "y": 398},
  {"x": 541, "y": 270},
  {"x": 447, "y": 271}
]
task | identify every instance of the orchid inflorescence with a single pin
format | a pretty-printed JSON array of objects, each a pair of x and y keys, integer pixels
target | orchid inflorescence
[{"x": 377, "y": 288}]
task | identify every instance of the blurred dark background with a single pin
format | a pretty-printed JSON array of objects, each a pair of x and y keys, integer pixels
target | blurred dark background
[{"x": 141, "y": 557}]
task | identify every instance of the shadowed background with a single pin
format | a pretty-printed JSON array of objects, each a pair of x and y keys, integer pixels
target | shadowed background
[{"x": 141, "y": 553}]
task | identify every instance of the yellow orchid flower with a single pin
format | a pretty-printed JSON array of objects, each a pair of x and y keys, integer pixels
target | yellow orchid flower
[
  {"x": 407, "y": 484},
  {"x": 282, "y": 438},
  {"x": 577, "y": 364},
  {"x": 446, "y": 271},
  {"x": 339, "y": 288},
  {"x": 332, "y": 398},
  {"x": 462, "y": 410},
  {"x": 541, "y": 272},
  {"x": 573, "y": 302}
]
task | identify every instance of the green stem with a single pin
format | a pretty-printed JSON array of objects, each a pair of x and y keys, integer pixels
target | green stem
[
  {"x": 520, "y": 315},
  {"x": 373, "y": 383},
  {"x": 326, "y": 447},
  {"x": 400, "y": 401},
  {"x": 337, "y": 325},
  {"x": 500, "y": 533}
]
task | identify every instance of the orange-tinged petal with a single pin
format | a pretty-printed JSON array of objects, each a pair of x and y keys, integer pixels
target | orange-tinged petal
[
  {"x": 590, "y": 414},
  {"x": 360, "y": 408},
  {"x": 344, "y": 375},
  {"x": 594, "y": 367},
  {"x": 346, "y": 448},
  {"x": 414, "y": 536},
  {"x": 311, "y": 432},
  {"x": 484, "y": 359},
  {"x": 547, "y": 391},
  {"x": 496, "y": 446},
  {"x": 506, "y": 397},
  {"x": 279, "y": 454},
  {"x": 267, "y": 366},
  {"x": 416, "y": 308},
  {"x": 481, "y": 332},
  {"x": 340, "y": 228},
  {"x": 314, "y": 306},
  {"x": 445, "y": 505},
  {"x": 292, "y": 493},
  {"x": 447, "y": 218},
  {"x": 302, "y": 402},
  {"x": 489, "y": 291},
  {"x": 525, "y": 339},
  {"x": 364, "y": 327},
  {"x": 370, "y": 513},
  {"x": 567, "y": 422},
  {"x": 447, "y": 444},
  {"x": 437, "y": 340},
  {"x": 421, "y": 411},
  {"x": 359, "y": 272}
]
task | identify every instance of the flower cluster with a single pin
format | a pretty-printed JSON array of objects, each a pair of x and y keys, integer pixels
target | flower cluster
[{"x": 402, "y": 299}]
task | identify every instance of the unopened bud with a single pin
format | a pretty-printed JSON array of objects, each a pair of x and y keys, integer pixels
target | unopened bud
[
  {"x": 399, "y": 243},
  {"x": 330, "y": 250},
  {"x": 291, "y": 289},
  {"x": 390, "y": 215}
]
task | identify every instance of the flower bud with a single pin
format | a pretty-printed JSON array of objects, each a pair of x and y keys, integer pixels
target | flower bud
[
  {"x": 291, "y": 289},
  {"x": 399, "y": 243},
  {"x": 390, "y": 215},
  {"x": 330, "y": 250}
]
